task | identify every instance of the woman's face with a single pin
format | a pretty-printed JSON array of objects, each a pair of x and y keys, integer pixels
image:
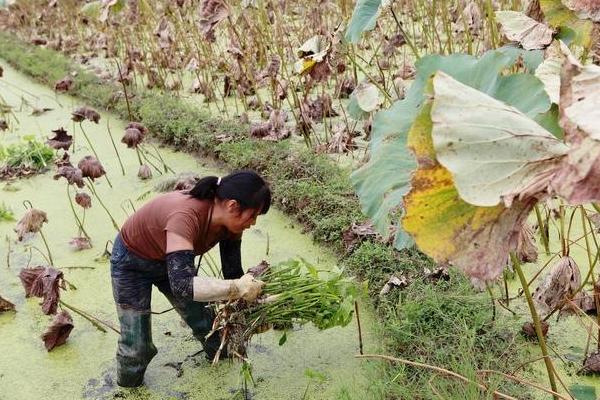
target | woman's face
[{"x": 240, "y": 220}]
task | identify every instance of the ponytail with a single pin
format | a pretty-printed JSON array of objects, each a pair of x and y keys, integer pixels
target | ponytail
[
  {"x": 205, "y": 188},
  {"x": 246, "y": 187}
]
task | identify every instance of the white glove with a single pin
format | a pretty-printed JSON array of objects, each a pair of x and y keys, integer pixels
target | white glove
[{"x": 213, "y": 289}]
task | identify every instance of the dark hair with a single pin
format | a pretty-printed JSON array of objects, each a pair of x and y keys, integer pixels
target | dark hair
[{"x": 246, "y": 187}]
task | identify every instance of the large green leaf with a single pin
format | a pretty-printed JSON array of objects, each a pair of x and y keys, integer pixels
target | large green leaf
[
  {"x": 363, "y": 19},
  {"x": 385, "y": 178},
  {"x": 492, "y": 149}
]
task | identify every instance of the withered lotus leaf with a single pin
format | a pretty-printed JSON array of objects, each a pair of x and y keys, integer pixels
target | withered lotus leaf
[
  {"x": 592, "y": 363},
  {"x": 80, "y": 243},
  {"x": 64, "y": 85},
  {"x": 83, "y": 113},
  {"x": 58, "y": 332},
  {"x": 73, "y": 175},
  {"x": 83, "y": 199},
  {"x": 64, "y": 161},
  {"x": 91, "y": 168},
  {"x": 6, "y": 305},
  {"x": 558, "y": 285},
  {"x": 211, "y": 13},
  {"x": 32, "y": 221},
  {"x": 526, "y": 246},
  {"x": 144, "y": 172},
  {"x": 132, "y": 138},
  {"x": 528, "y": 329},
  {"x": 60, "y": 140},
  {"x": 43, "y": 282}
]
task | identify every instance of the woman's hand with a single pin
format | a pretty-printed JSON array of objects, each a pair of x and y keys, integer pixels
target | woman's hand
[{"x": 247, "y": 287}]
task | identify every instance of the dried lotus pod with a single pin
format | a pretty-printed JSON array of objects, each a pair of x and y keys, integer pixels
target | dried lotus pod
[
  {"x": 83, "y": 199},
  {"x": 139, "y": 126},
  {"x": 32, "y": 221},
  {"x": 90, "y": 167},
  {"x": 64, "y": 85},
  {"x": 132, "y": 138},
  {"x": 88, "y": 113},
  {"x": 144, "y": 172}
]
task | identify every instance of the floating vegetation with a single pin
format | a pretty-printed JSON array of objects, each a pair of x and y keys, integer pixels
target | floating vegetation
[{"x": 23, "y": 159}]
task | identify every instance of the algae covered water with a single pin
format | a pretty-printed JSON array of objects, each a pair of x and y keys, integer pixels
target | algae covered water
[{"x": 311, "y": 364}]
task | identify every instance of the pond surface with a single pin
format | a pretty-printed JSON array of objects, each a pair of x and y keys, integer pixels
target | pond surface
[{"x": 85, "y": 366}]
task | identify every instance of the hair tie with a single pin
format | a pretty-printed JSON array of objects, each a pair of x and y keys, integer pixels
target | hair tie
[{"x": 218, "y": 181}]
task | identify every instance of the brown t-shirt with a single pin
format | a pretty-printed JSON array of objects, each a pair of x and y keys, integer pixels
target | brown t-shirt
[{"x": 144, "y": 233}]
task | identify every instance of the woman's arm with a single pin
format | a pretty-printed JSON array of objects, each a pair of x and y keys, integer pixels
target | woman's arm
[{"x": 186, "y": 286}]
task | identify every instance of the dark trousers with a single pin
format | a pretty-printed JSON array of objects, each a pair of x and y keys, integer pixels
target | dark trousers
[{"x": 132, "y": 280}]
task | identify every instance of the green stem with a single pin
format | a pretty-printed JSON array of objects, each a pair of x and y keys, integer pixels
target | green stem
[
  {"x": 93, "y": 320},
  {"x": 93, "y": 150},
  {"x": 47, "y": 247},
  {"x": 115, "y": 147},
  {"x": 543, "y": 230},
  {"x": 536, "y": 321},
  {"x": 591, "y": 265},
  {"x": 78, "y": 221},
  {"x": 90, "y": 186}
]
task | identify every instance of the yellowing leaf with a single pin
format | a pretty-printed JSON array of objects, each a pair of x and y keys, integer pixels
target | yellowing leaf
[
  {"x": 557, "y": 15},
  {"x": 475, "y": 239}
]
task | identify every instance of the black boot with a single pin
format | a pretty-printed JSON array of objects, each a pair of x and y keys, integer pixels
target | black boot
[{"x": 136, "y": 349}]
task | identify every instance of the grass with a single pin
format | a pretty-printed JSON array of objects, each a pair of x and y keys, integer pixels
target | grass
[
  {"x": 443, "y": 323},
  {"x": 6, "y": 214},
  {"x": 29, "y": 154}
]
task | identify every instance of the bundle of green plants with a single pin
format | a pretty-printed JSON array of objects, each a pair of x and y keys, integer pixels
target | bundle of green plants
[
  {"x": 25, "y": 157},
  {"x": 295, "y": 292}
]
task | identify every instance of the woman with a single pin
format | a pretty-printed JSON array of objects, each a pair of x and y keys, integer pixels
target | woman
[{"x": 157, "y": 246}]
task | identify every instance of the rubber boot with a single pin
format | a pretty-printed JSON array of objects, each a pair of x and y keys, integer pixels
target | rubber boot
[
  {"x": 200, "y": 319},
  {"x": 135, "y": 350}
]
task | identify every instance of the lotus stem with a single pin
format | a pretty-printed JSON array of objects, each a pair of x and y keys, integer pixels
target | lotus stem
[
  {"x": 93, "y": 320},
  {"x": 93, "y": 150},
  {"x": 124, "y": 90},
  {"x": 591, "y": 265},
  {"x": 167, "y": 168},
  {"x": 90, "y": 186},
  {"x": 536, "y": 322},
  {"x": 114, "y": 146},
  {"x": 78, "y": 221},
  {"x": 360, "y": 340},
  {"x": 543, "y": 230},
  {"x": 47, "y": 247},
  {"x": 439, "y": 370}
]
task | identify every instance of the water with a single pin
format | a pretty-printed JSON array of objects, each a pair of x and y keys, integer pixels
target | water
[{"x": 85, "y": 366}]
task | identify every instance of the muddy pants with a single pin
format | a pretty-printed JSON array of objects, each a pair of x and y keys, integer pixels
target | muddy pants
[{"x": 132, "y": 280}]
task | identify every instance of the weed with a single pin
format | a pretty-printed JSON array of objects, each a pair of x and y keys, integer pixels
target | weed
[
  {"x": 6, "y": 214},
  {"x": 30, "y": 154}
]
